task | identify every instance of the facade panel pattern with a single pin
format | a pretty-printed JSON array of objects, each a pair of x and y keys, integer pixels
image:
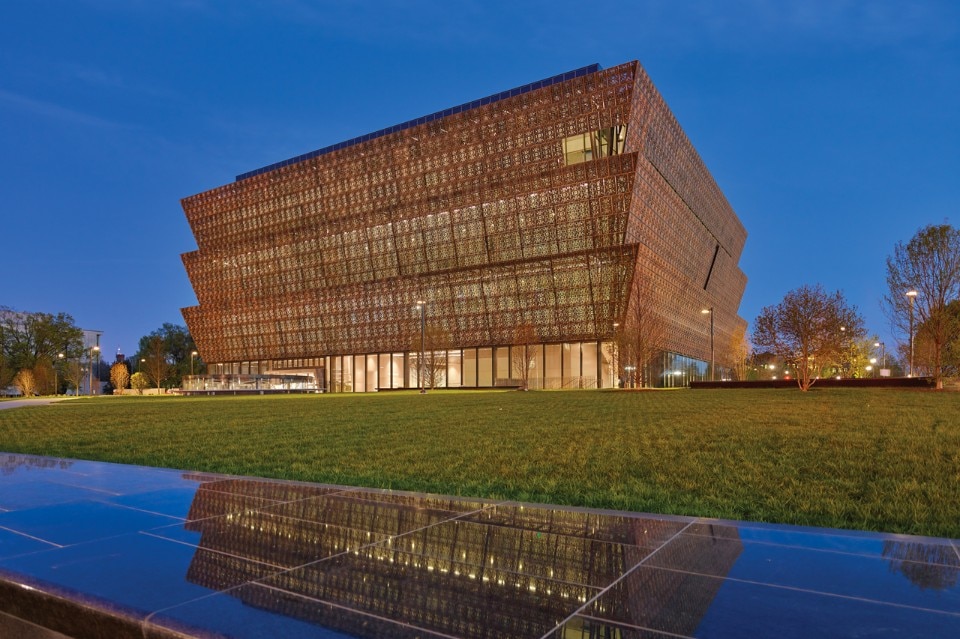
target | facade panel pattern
[{"x": 532, "y": 212}]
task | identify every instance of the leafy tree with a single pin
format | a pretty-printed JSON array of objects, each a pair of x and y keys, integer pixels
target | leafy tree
[
  {"x": 178, "y": 344},
  {"x": 44, "y": 376},
  {"x": 930, "y": 265},
  {"x": 139, "y": 381},
  {"x": 808, "y": 329},
  {"x": 26, "y": 337},
  {"x": 119, "y": 376},
  {"x": 25, "y": 382}
]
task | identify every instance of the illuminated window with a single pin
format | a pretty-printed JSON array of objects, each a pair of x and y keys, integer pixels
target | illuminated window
[{"x": 584, "y": 147}]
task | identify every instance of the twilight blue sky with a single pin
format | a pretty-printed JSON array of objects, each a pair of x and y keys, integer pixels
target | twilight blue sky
[{"x": 831, "y": 125}]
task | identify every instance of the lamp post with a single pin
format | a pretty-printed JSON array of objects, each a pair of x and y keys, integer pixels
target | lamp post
[
  {"x": 629, "y": 370},
  {"x": 94, "y": 351},
  {"x": 713, "y": 375},
  {"x": 193, "y": 355},
  {"x": 56, "y": 379},
  {"x": 883, "y": 353},
  {"x": 422, "y": 305},
  {"x": 911, "y": 294}
]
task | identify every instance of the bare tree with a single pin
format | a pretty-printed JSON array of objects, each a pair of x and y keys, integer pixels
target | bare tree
[
  {"x": 808, "y": 329},
  {"x": 434, "y": 370},
  {"x": 74, "y": 374},
  {"x": 25, "y": 382},
  {"x": 526, "y": 353},
  {"x": 929, "y": 266},
  {"x": 739, "y": 354},
  {"x": 157, "y": 366},
  {"x": 642, "y": 335},
  {"x": 119, "y": 376}
]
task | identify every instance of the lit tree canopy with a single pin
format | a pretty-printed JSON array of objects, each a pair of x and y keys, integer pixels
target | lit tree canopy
[{"x": 808, "y": 330}]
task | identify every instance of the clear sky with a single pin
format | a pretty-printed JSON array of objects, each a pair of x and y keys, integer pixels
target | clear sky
[{"x": 831, "y": 125}]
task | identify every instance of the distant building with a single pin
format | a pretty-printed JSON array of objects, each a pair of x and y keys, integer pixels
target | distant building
[{"x": 523, "y": 221}]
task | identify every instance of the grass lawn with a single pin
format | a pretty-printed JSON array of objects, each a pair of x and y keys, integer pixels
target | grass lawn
[{"x": 873, "y": 459}]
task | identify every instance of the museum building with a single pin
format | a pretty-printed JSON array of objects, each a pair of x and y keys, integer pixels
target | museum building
[{"x": 562, "y": 234}]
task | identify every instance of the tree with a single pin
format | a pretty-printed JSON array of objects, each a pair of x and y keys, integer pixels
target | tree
[
  {"x": 44, "y": 377},
  {"x": 119, "y": 376},
  {"x": 642, "y": 335},
  {"x": 178, "y": 345},
  {"x": 930, "y": 265},
  {"x": 139, "y": 381},
  {"x": 808, "y": 329},
  {"x": 157, "y": 366},
  {"x": 436, "y": 340},
  {"x": 25, "y": 382},
  {"x": 26, "y": 337},
  {"x": 74, "y": 372},
  {"x": 526, "y": 353},
  {"x": 739, "y": 354},
  {"x": 926, "y": 350}
]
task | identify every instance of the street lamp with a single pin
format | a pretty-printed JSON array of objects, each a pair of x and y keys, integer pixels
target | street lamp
[
  {"x": 629, "y": 370},
  {"x": 93, "y": 350},
  {"x": 56, "y": 379},
  {"x": 422, "y": 305},
  {"x": 911, "y": 294},
  {"x": 883, "y": 353},
  {"x": 713, "y": 375},
  {"x": 193, "y": 354}
]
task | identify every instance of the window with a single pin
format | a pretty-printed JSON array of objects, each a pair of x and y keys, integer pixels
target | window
[{"x": 584, "y": 147}]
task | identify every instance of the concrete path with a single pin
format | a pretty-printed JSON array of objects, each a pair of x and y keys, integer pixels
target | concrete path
[{"x": 32, "y": 401}]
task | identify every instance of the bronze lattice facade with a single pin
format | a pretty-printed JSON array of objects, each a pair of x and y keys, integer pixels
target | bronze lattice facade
[{"x": 526, "y": 218}]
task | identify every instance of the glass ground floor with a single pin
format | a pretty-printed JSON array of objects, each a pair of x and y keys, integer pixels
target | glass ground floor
[{"x": 547, "y": 366}]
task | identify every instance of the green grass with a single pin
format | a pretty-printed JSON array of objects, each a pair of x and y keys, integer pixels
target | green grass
[{"x": 864, "y": 459}]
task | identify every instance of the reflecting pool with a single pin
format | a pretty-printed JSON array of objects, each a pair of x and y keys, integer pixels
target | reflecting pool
[{"x": 96, "y": 549}]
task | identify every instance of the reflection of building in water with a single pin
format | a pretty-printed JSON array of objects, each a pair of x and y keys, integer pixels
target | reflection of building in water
[
  {"x": 494, "y": 571},
  {"x": 10, "y": 464},
  {"x": 934, "y": 566}
]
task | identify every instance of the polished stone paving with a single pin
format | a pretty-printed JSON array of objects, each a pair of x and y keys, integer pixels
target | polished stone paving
[{"x": 90, "y": 549}]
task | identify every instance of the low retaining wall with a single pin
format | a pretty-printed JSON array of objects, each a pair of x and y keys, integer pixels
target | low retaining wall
[{"x": 825, "y": 382}]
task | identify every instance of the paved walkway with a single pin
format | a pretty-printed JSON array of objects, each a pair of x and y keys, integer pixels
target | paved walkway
[
  {"x": 90, "y": 549},
  {"x": 32, "y": 401}
]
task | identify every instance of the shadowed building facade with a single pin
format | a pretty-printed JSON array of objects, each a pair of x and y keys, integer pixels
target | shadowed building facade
[{"x": 528, "y": 228}]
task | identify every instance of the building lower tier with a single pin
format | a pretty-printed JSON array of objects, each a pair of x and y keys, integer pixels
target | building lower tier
[{"x": 569, "y": 365}]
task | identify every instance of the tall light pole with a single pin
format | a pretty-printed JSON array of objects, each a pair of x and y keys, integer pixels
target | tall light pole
[
  {"x": 911, "y": 294},
  {"x": 56, "y": 379},
  {"x": 883, "y": 354},
  {"x": 713, "y": 374},
  {"x": 422, "y": 305},
  {"x": 193, "y": 354},
  {"x": 94, "y": 350}
]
